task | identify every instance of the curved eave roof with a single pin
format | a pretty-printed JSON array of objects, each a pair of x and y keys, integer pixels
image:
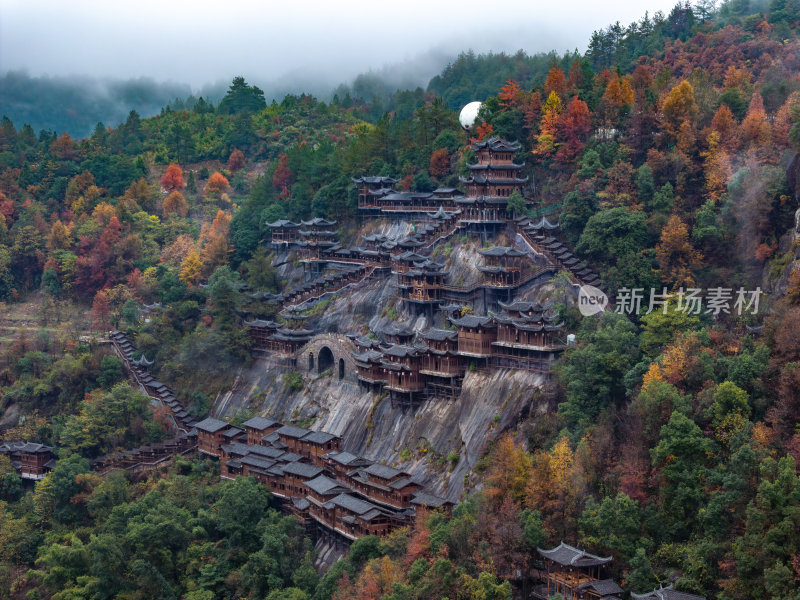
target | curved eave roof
[
  {"x": 570, "y": 556},
  {"x": 490, "y": 165}
]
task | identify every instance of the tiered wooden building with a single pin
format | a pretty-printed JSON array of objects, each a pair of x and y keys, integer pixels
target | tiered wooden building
[
  {"x": 442, "y": 366},
  {"x": 316, "y": 237},
  {"x": 421, "y": 284},
  {"x": 284, "y": 232},
  {"x": 29, "y": 459},
  {"x": 503, "y": 268},
  {"x": 575, "y": 574},
  {"x": 491, "y": 182},
  {"x": 372, "y": 188},
  {"x": 401, "y": 365},
  {"x": 315, "y": 480},
  {"x": 528, "y": 337}
]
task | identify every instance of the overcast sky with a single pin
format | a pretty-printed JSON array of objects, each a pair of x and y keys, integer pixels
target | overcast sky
[{"x": 200, "y": 41}]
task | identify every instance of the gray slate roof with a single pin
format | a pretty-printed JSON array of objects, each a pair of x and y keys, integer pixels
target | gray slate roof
[
  {"x": 211, "y": 425},
  {"x": 260, "y": 423},
  {"x": 666, "y": 593},
  {"x": 383, "y": 471},
  {"x": 567, "y": 555},
  {"x": 302, "y": 470}
]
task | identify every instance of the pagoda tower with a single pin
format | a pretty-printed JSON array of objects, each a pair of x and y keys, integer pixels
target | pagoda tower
[{"x": 491, "y": 182}]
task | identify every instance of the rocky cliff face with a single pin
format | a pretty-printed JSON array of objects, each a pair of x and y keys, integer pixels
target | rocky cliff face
[{"x": 439, "y": 441}]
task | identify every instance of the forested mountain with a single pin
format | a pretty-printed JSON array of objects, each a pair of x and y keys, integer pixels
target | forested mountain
[{"x": 668, "y": 152}]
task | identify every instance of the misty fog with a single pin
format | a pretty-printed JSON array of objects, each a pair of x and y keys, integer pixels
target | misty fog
[{"x": 118, "y": 56}]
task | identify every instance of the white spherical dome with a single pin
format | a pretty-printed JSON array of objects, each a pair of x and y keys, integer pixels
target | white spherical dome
[{"x": 468, "y": 114}]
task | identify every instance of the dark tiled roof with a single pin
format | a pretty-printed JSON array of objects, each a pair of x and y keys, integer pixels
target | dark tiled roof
[
  {"x": 257, "y": 461},
  {"x": 425, "y": 499},
  {"x": 211, "y": 425},
  {"x": 604, "y": 587},
  {"x": 472, "y": 321},
  {"x": 439, "y": 335},
  {"x": 666, "y": 593},
  {"x": 232, "y": 432},
  {"x": 401, "y": 483},
  {"x": 325, "y": 485},
  {"x": 319, "y": 437},
  {"x": 351, "y": 503},
  {"x": 400, "y": 351},
  {"x": 302, "y": 470},
  {"x": 383, "y": 471},
  {"x": 345, "y": 458},
  {"x": 292, "y": 431},
  {"x": 567, "y": 555},
  {"x": 260, "y": 423},
  {"x": 501, "y": 251}
]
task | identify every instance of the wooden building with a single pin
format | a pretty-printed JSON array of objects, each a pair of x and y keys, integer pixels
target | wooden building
[
  {"x": 369, "y": 369},
  {"x": 296, "y": 475},
  {"x": 210, "y": 435},
  {"x": 528, "y": 337},
  {"x": 503, "y": 266},
  {"x": 287, "y": 342},
  {"x": 401, "y": 364},
  {"x": 316, "y": 237},
  {"x": 405, "y": 261},
  {"x": 442, "y": 366},
  {"x": 29, "y": 459},
  {"x": 575, "y": 574},
  {"x": 260, "y": 331},
  {"x": 476, "y": 334},
  {"x": 258, "y": 427},
  {"x": 315, "y": 444},
  {"x": 342, "y": 463},
  {"x": 491, "y": 182},
  {"x": 284, "y": 232},
  {"x": 384, "y": 484},
  {"x": 397, "y": 334},
  {"x": 353, "y": 518},
  {"x": 370, "y": 189},
  {"x": 422, "y": 284}
]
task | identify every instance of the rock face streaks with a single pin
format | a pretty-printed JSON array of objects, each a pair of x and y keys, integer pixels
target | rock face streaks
[
  {"x": 438, "y": 441},
  {"x": 422, "y": 440}
]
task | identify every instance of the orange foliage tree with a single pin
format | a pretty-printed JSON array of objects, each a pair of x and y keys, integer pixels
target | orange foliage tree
[
  {"x": 236, "y": 161},
  {"x": 282, "y": 177},
  {"x": 101, "y": 310},
  {"x": 724, "y": 123},
  {"x": 556, "y": 82},
  {"x": 508, "y": 472},
  {"x": 172, "y": 179},
  {"x": 679, "y": 106},
  {"x": 573, "y": 129},
  {"x": 509, "y": 94},
  {"x": 440, "y": 163},
  {"x": 676, "y": 255},
  {"x": 717, "y": 167},
  {"x": 217, "y": 184},
  {"x": 755, "y": 129},
  {"x": 484, "y": 130},
  {"x": 176, "y": 204},
  {"x": 551, "y": 488}
]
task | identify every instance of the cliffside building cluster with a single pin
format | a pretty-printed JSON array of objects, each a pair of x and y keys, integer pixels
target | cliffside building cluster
[{"x": 314, "y": 478}]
